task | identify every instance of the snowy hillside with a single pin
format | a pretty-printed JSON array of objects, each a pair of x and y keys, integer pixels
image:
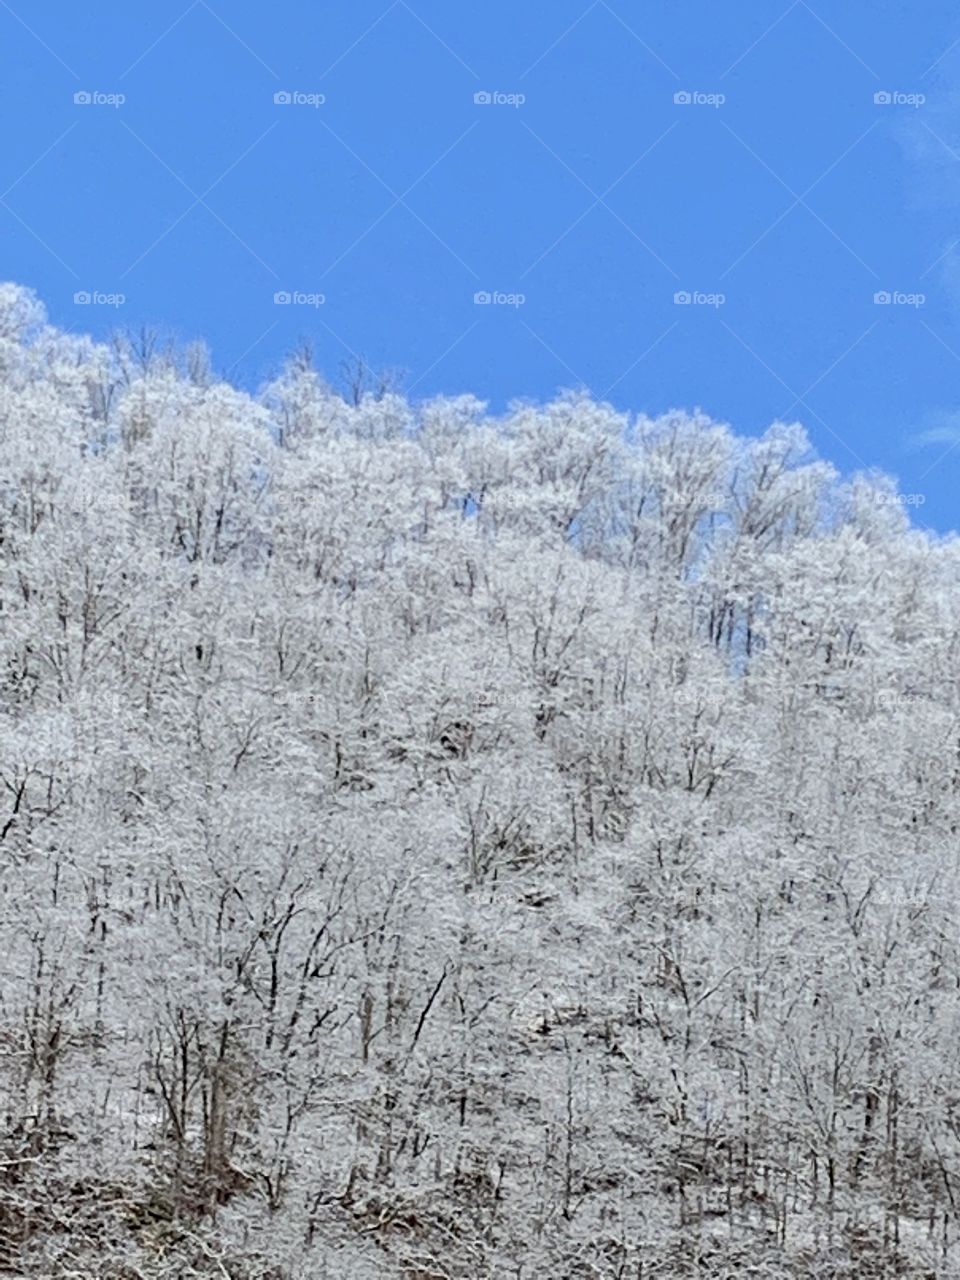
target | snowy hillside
[{"x": 444, "y": 847}]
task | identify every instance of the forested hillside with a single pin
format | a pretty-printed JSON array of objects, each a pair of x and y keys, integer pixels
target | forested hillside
[{"x": 446, "y": 847}]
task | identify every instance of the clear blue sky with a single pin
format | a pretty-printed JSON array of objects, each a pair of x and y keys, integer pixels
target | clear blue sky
[{"x": 598, "y": 198}]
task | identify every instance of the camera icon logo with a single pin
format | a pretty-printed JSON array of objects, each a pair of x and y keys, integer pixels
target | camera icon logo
[
  {"x": 883, "y": 98},
  {"x": 81, "y": 298},
  {"x": 482, "y": 298},
  {"x": 682, "y": 298},
  {"x": 683, "y": 98},
  {"x": 882, "y": 298},
  {"x": 281, "y": 298},
  {"x": 283, "y": 98},
  {"x": 483, "y": 98},
  {"x": 83, "y": 98}
]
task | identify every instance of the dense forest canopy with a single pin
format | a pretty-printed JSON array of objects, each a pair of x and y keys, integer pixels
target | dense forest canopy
[{"x": 436, "y": 845}]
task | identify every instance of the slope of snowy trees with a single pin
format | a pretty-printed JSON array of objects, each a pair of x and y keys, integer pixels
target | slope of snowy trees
[{"x": 442, "y": 847}]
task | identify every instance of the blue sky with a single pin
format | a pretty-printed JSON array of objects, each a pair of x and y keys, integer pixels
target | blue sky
[{"x": 783, "y": 187}]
